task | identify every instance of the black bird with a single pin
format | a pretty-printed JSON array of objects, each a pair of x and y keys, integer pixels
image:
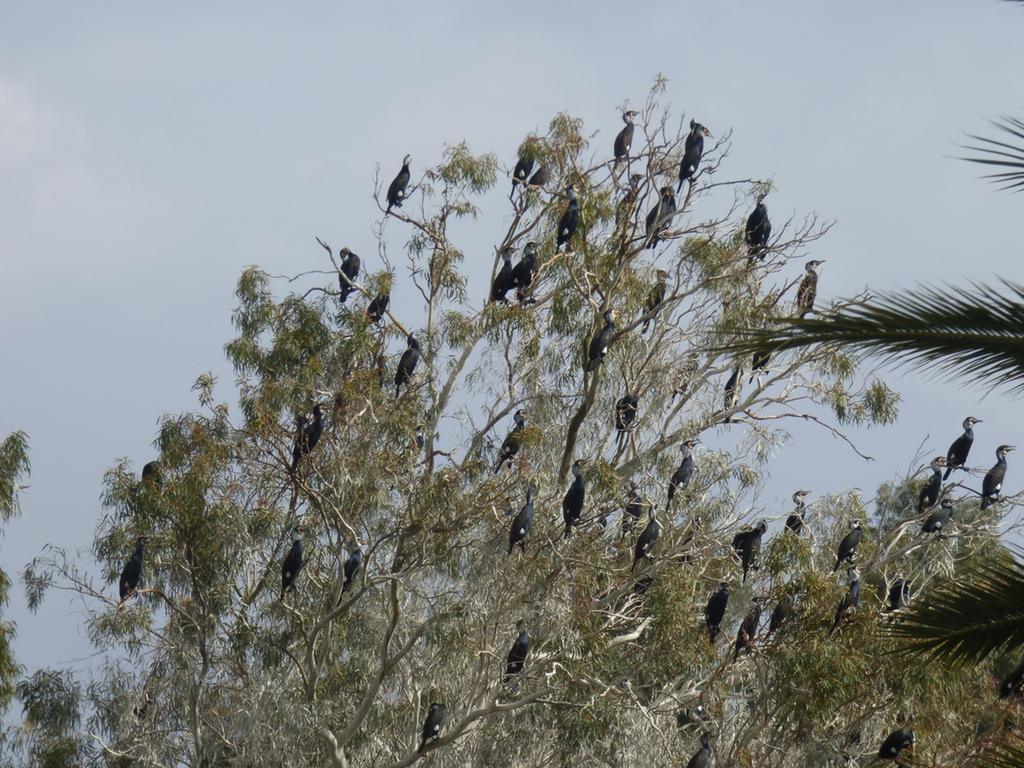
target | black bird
[
  {"x": 504, "y": 281},
  {"x": 758, "y": 363},
  {"x": 569, "y": 221},
  {"x": 795, "y": 521},
  {"x": 687, "y": 717},
  {"x": 929, "y": 494},
  {"x": 599, "y": 344},
  {"x": 521, "y": 524},
  {"x": 956, "y": 458},
  {"x": 899, "y": 593},
  {"x": 939, "y": 519},
  {"x": 808, "y": 290},
  {"x": 625, "y": 416},
  {"x": 634, "y": 508},
  {"x": 348, "y": 273},
  {"x": 655, "y": 296},
  {"x": 693, "y": 150},
  {"x": 524, "y": 271},
  {"x": 541, "y": 176},
  {"x": 132, "y": 571},
  {"x": 758, "y": 230},
  {"x": 290, "y": 567},
  {"x": 850, "y": 601},
  {"x": 377, "y": 307},
  {"x": 646, "y": 541},
  {"x": 993, "y": 482},
  {"x": 848, "y": 546},
  {"x": 351, "y": 567},
  {"x": 747, "y": 544},
  {"x": 407, "y": 364},
  {"x": 748, "y": 628},
  {"x": 1013, "y": 685},
  {"x": 396, "y": 192},
  {"x": 307, "y": 436},
  {"x": 572, "y": 503},
  {"x": 624, "y": 141},
  {"x": 517, "y": 655},
  {"x": 151, "y": 473},
  {"x": 731, "y": 392},
  {"x": 436, "y": 717},
  {"x": 702, "y": 758},
  {"x": 510, "y": 446},
  {"x": 680, "y": 479},
  {"x": 660, "y": 217},
  {"x": 524, "y": 166},
  {"x": 421, "y": 439},
  {"x": 895, "y": 743},
  {"x": 714, "y": 612},
  {"x": 783, "y": 611}
]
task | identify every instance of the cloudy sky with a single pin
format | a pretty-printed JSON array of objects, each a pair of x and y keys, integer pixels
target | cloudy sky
[{"x": 146, "y": 159}]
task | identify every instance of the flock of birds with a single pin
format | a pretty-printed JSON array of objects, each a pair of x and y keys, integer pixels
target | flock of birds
[{"x": 519, "y": 278}]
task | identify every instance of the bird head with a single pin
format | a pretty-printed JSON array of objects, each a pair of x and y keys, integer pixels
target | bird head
[
  {"x": 413, "y": 343},
  {"x": 520, "y": 416},
  {"x": 813, "y": 264},
  {"x": 946, "y": 504},
  {"x": 799, "y": 496},
  {"x": 1003, "y": 450},
  {"x": 705, "y": 741},
  {"x": 635, "y": 179},
  {"x": 407, "y": 160},
  {"x": 662, "y": 274},
  {"x": 530, "y": 249},
  {"x": 579, "y": 466},
  {"x": 697, "y": 128},
  {"x": 506, "y": 254},
  {"x": 609, "y": 316},
  {"x": 855, "y": 525},
  {"x": 853, "y": 573},
  {"x": 627, "y": 116},
  {"x": 570, "y": 190},
  {"x": 938, "y": 462},
  {"x": 970, "y": 421},
  {"x": 761, "y": 526}
]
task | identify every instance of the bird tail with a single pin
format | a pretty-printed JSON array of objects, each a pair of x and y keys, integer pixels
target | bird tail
[
  {"x": 984, "y": 502},
  {"x": 948, "y": 471},
  {"x": 679, "y": 187},
  {"x": 510, "y": 545},
  {"x": 635, "y": 561},
  {"x": 839, "y": 561}
]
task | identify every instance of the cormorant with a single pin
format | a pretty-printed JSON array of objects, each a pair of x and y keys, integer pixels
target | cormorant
[
  {"x": 522, "y": 171},
  {"x": 929, "y": 494},
  {"x": 132, "y": 571},
  {"x": 660, "y": 217},
  {"x": 634, "y": 508},
  {"x": 396, "y": 192},
  {"x": 732, "y": 391},
  {"x": 290, "y": 567},
  {"x": 521, "y": 524},
  {"x": 436, "y": 717},
  {"x": 377, "y": 307},
  {"x": 517, "y": 655},
  {"x": 895, "y": 743},
  {"x": 748, "y": 628},
  {"x": 307, "y": 436},
  {"x": 956, "y": 458},
  {"x": 899, "y": 593},
  {"x": 686, "y": 717},
  {"x": 625, "y": 416},
  {"x": 624, "y": 140},
  {"x": 783, "y": 610},
  {"x": 795, "y": 521},
  {"x": 510, "y": 446},
  {"x": 808, "y": 289},
  {"x": 572, "y": 503},
  {"x": 655, "y": 296},
  {"x": 151, "y": 473},
  {"x": 993, "y": 482},
  {"x": 938, "y": 519},
  {"x": 569, "y": 221},
  {"x": 523, "y": 272},
  {"x": 348, "y": 273},
  {"x": 850, "y": 601},
  {"x": 680, "y": 479},
  {"x": 747, "y": 543},
  {"x": 702, "y": 758},
  {"x": 541, "y": 176},
  {"x": 693, "y": 150},
  {"x": 504, "y": 280},
  {"x": 351, "y": 567},
  {"x": 599, "y": 344},
  {"x": 1013, "y": 685},
  {"x": 407, "y": 364},
  {"x": 757, "y": 364},
  {"x": 421, "y": 439},
  {"x": 625, "y": 204},
  {"x": 848, "y": 546},
  {"x": 646, "y": 541},
  {"x": 758, "y": 230},
  {"x": 714, "y": 612}
]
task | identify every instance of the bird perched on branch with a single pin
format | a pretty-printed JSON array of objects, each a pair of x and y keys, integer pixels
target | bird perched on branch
[
  {"x": 512, "y": 443},
  {"x": 572, "y": 502},
  {"x": 397, "y": 189},
  {"x": 848, "y": 546},
  {"x": 521, "y": 173},
  {"x": 517, "y": 654},
  {"x": 290, "y": 567},
  {"x": 680, "y": 479},
  {"x": 992, "y": 485},
  {"x": 151, "y": 473},
  {"x": 808, "y": 290},
  {"x": 899, "y": 593},
  {"x": 521, "y": 524},
  {"x": 634, "y": 508},
  {"x": 504, "y": 280},
  {"x": 599, "y": 344},
  {"x": 524, "y": 271},
  {"x": 693, "y": 150},
  {"x": 646, "y": 541},
  {"x": 757, "y": 231},
  {"x": 895, "y": 743},
  {"x": 436, "y": 717},
  {"x": 131, "y": 574},
  {"x": 714, "y": 612},
  {"x": 747, "y": 632},
  {"x": 569, "y": 221},
  {"x": 781, "y": 614},
  {"x": 747, "y": 544},
  {"x": 655, "y": 296},
  {"x": 348, "y": 273},
  {"x": 407, "y": 363},
  {"x": 307, "y": 436},
  {"x": 624, "y": 141},
  {"x": 378, "y": 306},
  {"x": 795, "y": 521},
  {"x": 351, "y": 568},
  {"x": 956, "y": 457},
  {"x": 660, "y": 217},
  {"x": 702, "y": 759},
  {"x": 625, "y": 417},
  {"x": 850, "y": 601},
  {"x": 939, "y": 519},
  {"x": 929, "y": 494},
  {"x": 541, "y": 176}
]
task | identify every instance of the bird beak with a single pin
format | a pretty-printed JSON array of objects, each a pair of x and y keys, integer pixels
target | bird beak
[{"x": 977, "y": 421}]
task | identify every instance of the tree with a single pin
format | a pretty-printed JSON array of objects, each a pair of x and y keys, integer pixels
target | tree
[
  {"x": 216, "y": 665},
  {"x": 14, "y": 467}
]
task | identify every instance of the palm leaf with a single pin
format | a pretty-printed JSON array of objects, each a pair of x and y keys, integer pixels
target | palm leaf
[
  {"x": 1009, "y": 755},
  {"x": 964, "y": 621},
  {"x": 974, "y": 333},
  {"x": 1006, "y": 157}
]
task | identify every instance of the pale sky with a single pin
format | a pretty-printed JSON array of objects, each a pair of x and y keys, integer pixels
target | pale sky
[{"x": 148, "y": 154}]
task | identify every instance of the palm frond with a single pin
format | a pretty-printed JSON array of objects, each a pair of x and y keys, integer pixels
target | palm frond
[
  {"x": 1007, "y": 755},
  {"x": 965, "y": 620},
  {"x": 1007, "y": 155},
  {"x": 974, "y": 333}
]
